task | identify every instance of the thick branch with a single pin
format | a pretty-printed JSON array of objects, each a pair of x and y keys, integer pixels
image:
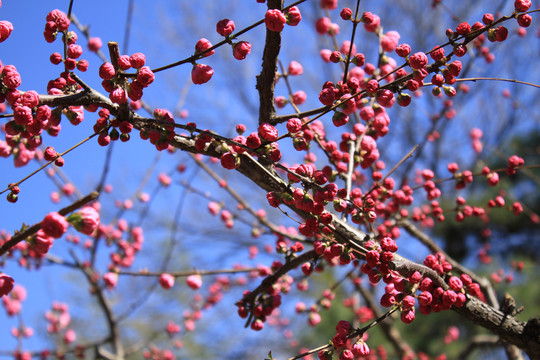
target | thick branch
[
  {"x": 434, "y": 248},
  {"x": 87, "y": 96},
  {"x": 267, "y": 78},
  {"x": 524, "y": 335}
]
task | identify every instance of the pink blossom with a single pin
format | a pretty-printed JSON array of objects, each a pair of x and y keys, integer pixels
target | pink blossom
[
  {"x": 24, "y": 156},
  {"x": 12, "y": 79},
  {"x": 522, "y": 5},
  {"x": 6, "y": 284},
  {"x": 371, "y": 21},
  {"x": 390, "y": 41},
  {"x": 137, "y": 60},
  {"x": 94, "y": 44},
  {"x": 346, "y": 46},
  {"x": 70, "y": 336},
  {"x": 203, "y": 45},
  {"x": 293, "y": 16},
  {"x": 229, "y": 161},
  {"x": 268, "y": 132},
  {"x": 360, "y": 348},
  {"x": 30, "y": 99},
  {"x": 22, "y": 115},
  {"x": 118, "y": 95},
  {"x": 85, "y": 220},
  {"x": 42, "y": 242},
  {"x": 106, "y": 71},
  {"x": 225, "y": 27},
  {"x": 166, "y": 281},
  {"x": 74, "y": 51},
  {"x": 241, "y": 50},
  {"x": 110, "y": 279},
  {"x": 322, "y": 25},
  {"x": 314, "y": 318},
  {"x": 295, "y": 68},
  {"x": 164, "y": 179},
  {"x": 172, "y": 328},
  {"x": 5, "y": 30},
  {"x": 294, "y": 125},
  {"x": 299, "y": 97},
  {"x": 145, "y": 76},
  {"x": 418, "y": 60},
  {"x": 201, "y": 74},
  {"x": 54, "y": 225},
  {"x": 194, "y": 281},
  {"x": 5, "y": 149},
  {"x": 385, "y": 98},
  {"x": 275, "y": 20}
]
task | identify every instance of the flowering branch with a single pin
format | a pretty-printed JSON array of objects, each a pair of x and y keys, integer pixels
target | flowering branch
[{"x": 20, "y": 236}]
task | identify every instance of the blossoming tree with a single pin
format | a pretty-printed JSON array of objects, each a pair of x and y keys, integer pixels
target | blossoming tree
[{"x": 346, "y": 178}]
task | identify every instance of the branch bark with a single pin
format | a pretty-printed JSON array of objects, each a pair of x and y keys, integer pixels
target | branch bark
[{"x": 266, "y": 80}]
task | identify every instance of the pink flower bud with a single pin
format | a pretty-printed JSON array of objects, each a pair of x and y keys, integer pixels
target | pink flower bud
[
  {"x": 390, "y": 41},
  {"x": 360, "y": 348},
  {"x": 6, "y": 284},
  {"x": 201, "y": 74},
  {"x": 268, "y": 132},
  {"x": 106, "y": 71},
  {"x": 145, "y": 76},
  {"x": 418, "y": 60},
  {"x": 203, "y": 45},
  {"x": 85, "y": 220},
  {"x": 225, "y": 27},
  {"x": 408, "y": 316},
  {"x": 74, "y": 51},
  {"x": 54, "y": 225},
  {"x": 5, "y": 30},
  {"x": 94, "y": 44},
  {"x": 166, "y": 281},
  {"x": 12, "y": 80},
  {"x": 137, "y": 60},
  {"x": 294, "y": 125},
  {"x": 229, "y": 161},
  {"x": 275, "y": 20},
  {"x": 295, "y": 68},
  {"x": 293, "y": 16},
  {"x": 41, "y": 242},
  {"x": 194, "y": 281},
  {"x": 241, "y": 50},
  {"x": 118, "y": 95},
  {"x": 522, "y": 5}
]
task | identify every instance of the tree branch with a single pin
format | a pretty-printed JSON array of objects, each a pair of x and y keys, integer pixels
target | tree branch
[
  {"x": 266, "y": 80},
  {"x": 20, "y": 236}
]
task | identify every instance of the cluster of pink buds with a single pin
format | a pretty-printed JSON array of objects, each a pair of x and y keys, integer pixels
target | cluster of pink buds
[
  {"x": 128, "y": 244},
  {"x": 57, "y": 21},
  {"x": 114, "y": 81},
  {"x": 23, "y": 133},
  {"x": 158, "y": 354},
  {"x": 342, "y": 344},
  {"x": 160, "y": 138},
  {"x": 435, "y": 298},
  {"x": 263, "y": 142},
  {"x": 266, "y": 304},
  {"x": 225, "y": 215}
]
